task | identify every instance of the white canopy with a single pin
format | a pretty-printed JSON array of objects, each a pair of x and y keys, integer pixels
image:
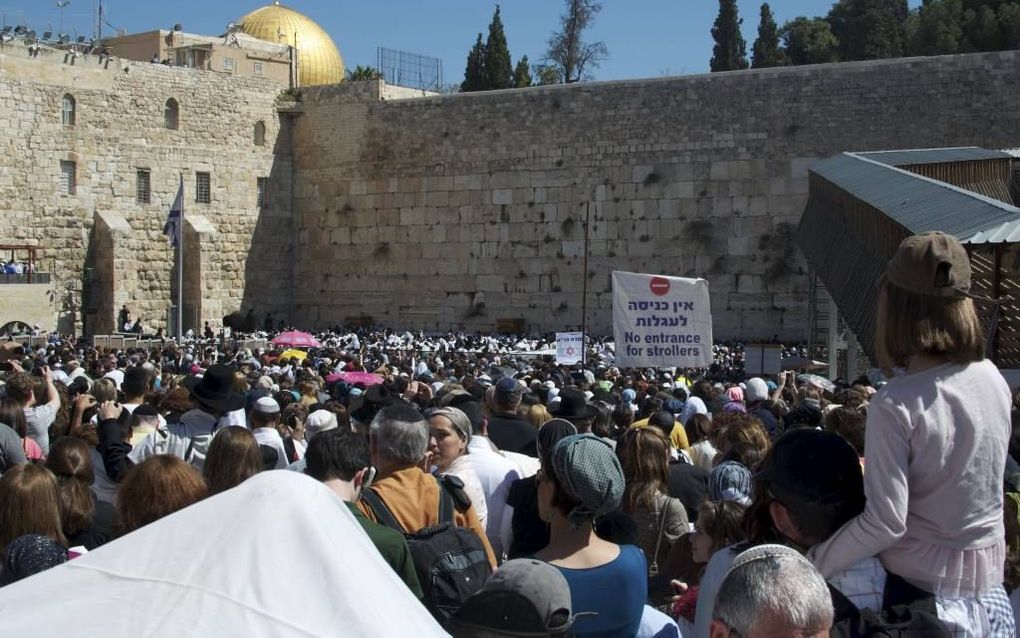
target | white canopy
[{"x": 279, "y": 555}]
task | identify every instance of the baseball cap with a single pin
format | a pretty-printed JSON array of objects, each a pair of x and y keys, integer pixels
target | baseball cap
[
  {"x": 524, "y": 597},
  {"x": 813, "y": 466},
  {"x": 933, "y": 264}
]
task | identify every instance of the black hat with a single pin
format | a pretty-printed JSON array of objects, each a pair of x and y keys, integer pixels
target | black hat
[
  {"x": 573, "y": 405},
  {"x": 216, "y": 389},
  {"x": 363, "y": 408},
  {"x": 146, "y": 409},
  {"x": 812, "y": 466}
]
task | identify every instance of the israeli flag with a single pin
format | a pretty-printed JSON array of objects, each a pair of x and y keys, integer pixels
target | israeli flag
[{"x": 173, "y": 226}]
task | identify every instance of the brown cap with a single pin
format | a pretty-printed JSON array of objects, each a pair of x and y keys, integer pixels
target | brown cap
[{"x": 933, "y": 264}]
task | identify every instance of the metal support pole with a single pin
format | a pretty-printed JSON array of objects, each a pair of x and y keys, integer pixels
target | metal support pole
[{"x": 584, "y": 288}]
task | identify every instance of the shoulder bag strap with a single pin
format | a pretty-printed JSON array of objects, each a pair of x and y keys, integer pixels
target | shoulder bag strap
[
  {"x": 381, "y": 511},
  {"x": 653, "y": 569},
  {"x": 445, "y": 502}
]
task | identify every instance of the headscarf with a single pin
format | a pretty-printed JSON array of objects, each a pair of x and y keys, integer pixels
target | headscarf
[
  {"x": 550, "y": 434},
  {"x": 693, "y": 406},
  {"x": 588, "y": 471},
  {"x": 730, "y": 481},
  {"x": 459, "y": 420},
  {"x": 30, "y": 554}
]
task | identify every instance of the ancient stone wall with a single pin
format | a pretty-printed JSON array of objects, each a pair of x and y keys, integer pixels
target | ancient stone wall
[
  {"x": 458, "y": 211},
  {"x": 119, "y": 129}
]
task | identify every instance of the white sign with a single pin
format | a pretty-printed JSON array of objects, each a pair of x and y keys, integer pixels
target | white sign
[
  {"x": 661, "y": 322},
  {"x": 569, "y": 347}
]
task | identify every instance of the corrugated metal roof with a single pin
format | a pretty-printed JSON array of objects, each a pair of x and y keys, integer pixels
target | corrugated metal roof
[
  {"x": 919, "y": 203},
  {"x": 934, "y": 155}
]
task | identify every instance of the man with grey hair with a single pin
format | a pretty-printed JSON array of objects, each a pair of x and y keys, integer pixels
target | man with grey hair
[
  {"x": 771, "y": 590},
  {"x": 398, "y": 440}
]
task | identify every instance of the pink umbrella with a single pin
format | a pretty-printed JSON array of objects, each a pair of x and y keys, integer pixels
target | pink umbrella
[
  {"x": 296, "y": 339},
  {"x": 353, "y": 378}
]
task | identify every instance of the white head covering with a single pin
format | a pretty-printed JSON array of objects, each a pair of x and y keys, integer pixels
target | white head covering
[
  {"x": 232, "y": 599},
  {"x": 693, "y": 406}
]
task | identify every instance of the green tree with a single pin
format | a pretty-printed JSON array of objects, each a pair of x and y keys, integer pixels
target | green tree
[
  {"x": 497, "y": 71},
  {"x": 522, "y": 73},
  {"x": 362, "y": 73},
  {"x": 730, "y": 50},
  {"x": 548, "y": 74},
  {"x": 809, "y": 41},
  {"x": 473, "y": 77},
  {"x": 569, "y": 57},
  {"x": 1009, "y": 22},
  {"x": 982, "y": 29},
  {"x": 939, "y": 28},
  {"x": 869, "y": 29},
  {"x": 766, "y": 51}
]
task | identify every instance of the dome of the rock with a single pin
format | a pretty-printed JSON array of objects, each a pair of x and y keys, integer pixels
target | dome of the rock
[{"x": 319, "y": 60}]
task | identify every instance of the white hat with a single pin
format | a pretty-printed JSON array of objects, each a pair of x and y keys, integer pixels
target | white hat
[
  {"x": 319, "y": 421},
  {"x": 757, "y": 390},
  {"x": 267, "y": 405}
]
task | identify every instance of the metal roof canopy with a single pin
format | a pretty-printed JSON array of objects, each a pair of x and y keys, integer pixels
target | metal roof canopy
[
  {"x": 861, "y": 207},
  {"x": 934, "y": 155}
]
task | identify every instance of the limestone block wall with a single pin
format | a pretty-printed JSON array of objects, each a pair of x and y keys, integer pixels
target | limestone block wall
[
  {"x": 30, "y": 303},
  {"x": 456, "y": 211},
  {"x": 119, "y": 129}
]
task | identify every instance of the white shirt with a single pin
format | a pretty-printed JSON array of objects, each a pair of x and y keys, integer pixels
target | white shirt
[
  {"x": 188, "y": 439},
  {"x": 270, "y": 437},
  {"x": 858, "y": 583},
  {"x": 495, "y": 473},
  {"x": 462, "y": 469}
]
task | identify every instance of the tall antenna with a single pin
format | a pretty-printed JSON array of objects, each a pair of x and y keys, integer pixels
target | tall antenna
[{"x": 62, "y": 4}]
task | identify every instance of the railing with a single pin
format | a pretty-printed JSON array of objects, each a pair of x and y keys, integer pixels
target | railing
[{"x": 26, "y": 278}]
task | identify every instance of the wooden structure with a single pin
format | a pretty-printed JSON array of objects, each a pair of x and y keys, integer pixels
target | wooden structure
[{"x": 862, "y": 205}]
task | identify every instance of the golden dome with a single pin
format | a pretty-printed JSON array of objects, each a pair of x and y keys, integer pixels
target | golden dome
[{"x": 319, "y": 61}]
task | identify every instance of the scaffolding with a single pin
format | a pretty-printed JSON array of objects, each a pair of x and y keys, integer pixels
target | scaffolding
[{"x": 410, "y": 70}]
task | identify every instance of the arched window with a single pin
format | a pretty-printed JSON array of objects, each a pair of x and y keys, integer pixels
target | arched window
[
  {"x": 260, "y": 133},
  {"x": 171, "y": 114},
  {"x": 67, "y": 110}
]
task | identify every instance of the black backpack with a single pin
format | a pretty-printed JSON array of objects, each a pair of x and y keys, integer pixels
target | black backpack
[
  {"x": 906, "y": 611},
  {"x": 450, "y": 561}
]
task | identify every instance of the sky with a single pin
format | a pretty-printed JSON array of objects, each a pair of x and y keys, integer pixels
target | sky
[{"x": 646, "y": 38}]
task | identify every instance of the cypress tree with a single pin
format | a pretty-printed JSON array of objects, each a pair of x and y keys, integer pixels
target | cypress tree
[
  {"x": 766, "y": 51},
  {"x": 730, "y": 50},
  {"x": 522, "y": 73},
  {"x": 473, "y": 80},
  {"x": 497, "y": 72}
]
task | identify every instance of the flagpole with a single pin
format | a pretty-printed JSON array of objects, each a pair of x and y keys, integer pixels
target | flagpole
[{"x": 180, "y": 269}]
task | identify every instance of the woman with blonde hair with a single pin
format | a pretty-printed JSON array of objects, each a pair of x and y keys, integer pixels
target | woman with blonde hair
[
  {"x": 29, "y": 504},
  {"x": 661, "y": 520},
  {"x": 536, "y": 415},
  {"x": 936, "y": 442}
]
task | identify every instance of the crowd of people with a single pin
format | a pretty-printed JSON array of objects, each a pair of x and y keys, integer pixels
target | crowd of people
[{"x": 516, "y": 497}]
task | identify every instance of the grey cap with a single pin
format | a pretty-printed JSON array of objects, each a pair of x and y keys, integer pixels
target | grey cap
[{"x": 524, "y": 597}]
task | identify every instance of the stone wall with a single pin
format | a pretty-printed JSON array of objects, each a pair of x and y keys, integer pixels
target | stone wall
[
  {"x": 119, "y": 130},
  {"x": 458, "y": 211}
]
